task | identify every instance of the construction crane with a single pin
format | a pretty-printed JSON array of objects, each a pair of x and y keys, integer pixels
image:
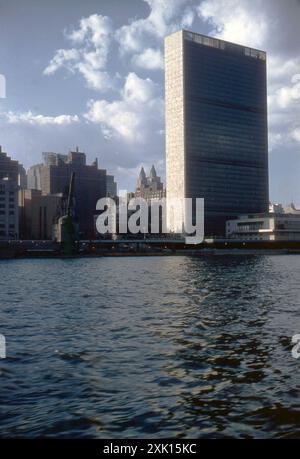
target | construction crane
[{"x": 66, "y": 225}]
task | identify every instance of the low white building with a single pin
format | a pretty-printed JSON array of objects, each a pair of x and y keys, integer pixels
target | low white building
[
  {"x": 9, "y": 210},
  {"x": 278, "y": 225}
]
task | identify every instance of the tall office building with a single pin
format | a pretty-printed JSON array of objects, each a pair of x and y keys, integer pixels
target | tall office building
[
  {"x": 111, "y": 186},
  {"x": 34, "y": 177},
  {"x": 216, "y": 127},
  {"x": 22, "y": 177}
]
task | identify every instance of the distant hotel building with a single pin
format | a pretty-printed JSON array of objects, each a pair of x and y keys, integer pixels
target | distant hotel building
[
  {"x": 150, "y": 187},
  {"x": 216, "y": 127}
]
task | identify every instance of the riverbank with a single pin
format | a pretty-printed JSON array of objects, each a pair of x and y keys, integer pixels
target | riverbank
[{"x": 142, "y": 248}]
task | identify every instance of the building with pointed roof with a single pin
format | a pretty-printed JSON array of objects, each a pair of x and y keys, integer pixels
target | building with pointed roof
[{"x": 149, "y": 187}]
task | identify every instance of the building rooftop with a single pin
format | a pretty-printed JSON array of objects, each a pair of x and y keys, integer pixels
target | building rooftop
[{"x": 222, "y": 44}]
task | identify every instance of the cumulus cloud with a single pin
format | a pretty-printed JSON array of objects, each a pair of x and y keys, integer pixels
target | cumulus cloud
[
  {"x": 165, "y": 17},
  {"x": 40, "y": 120},
  {"x": 92, "y": 40},
  {"x": 135, "y": 116},
  {"x": 150, "y": 59},
  {"x": 131, "y": 116},
  {"x": 235, "y": 20},
  {"x": 286, "y": 96},
  {"x": 296, "y": 134},
  {"x": 62, "y": 58}
]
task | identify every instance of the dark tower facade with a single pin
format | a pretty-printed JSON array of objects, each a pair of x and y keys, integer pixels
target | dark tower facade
[{"x": 216, "y": 99}]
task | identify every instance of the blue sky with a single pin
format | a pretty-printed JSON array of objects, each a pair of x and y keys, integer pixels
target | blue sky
[{"x": 90, "y": 73}]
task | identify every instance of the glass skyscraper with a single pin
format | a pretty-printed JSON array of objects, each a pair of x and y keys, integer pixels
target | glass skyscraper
[{"x": 216, "y": 127}]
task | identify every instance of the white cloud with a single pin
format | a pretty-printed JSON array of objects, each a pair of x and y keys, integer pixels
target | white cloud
[
  {"x": 62, "y": 58},
  {"x": 150, "y": 59},
  {"x": 188, "y": 18},
  {"x": 287, "y": 96},
  {"x": 95, "y": 79},
  {"x": 40, "y": 120},
  {"x": 238, "y": 21},
  {"x": 115, "y": 117},
  {"x": 295, "y": 134},
  {"x": 165, "y": 17},
  {"x": 139, "y": 91},
  {"x": 93, "y": 30},
  {"x": 93, "y": 39},
  {"x": 134, "y": 117}
]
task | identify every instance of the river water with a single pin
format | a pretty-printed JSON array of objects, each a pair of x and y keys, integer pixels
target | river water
[{"x": 150, "y": 347}]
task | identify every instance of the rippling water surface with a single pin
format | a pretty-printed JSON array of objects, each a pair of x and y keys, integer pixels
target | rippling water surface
[{"x": 150, "y": 347}]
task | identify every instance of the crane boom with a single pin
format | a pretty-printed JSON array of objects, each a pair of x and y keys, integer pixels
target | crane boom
[{"x": 71, "y": 194}]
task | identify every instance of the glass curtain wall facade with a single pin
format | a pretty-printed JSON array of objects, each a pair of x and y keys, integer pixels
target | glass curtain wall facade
[{"x": 216, "y": 127}]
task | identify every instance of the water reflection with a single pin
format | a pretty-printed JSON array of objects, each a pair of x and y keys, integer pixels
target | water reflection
[{"x": 173, "y": 346}]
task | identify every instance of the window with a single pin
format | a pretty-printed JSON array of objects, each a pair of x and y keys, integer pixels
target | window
[
  {"x": 189, "y": 36},
  {"x": 254, "y": 53},
  {"x": 262, "y": 55},
  {"x": 198, "y": 39}
]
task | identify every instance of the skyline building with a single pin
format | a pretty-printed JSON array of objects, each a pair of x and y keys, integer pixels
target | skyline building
[
  {"x": 9, "y": 215},
  {"x": 149, "y": 187},
  {"x": 22, "y": 177},
  {"x": 279, "y": 224},
  {"x": 9, "y": 186},
  {"x": 216, "y": 128},
  {"x": 34, "y": 177},
  {"x": 111, "y": 186},
  {"x": 9, "y": 168},
  {"x": 37, "y": 213},
  {"x": 53, "y": 178}
]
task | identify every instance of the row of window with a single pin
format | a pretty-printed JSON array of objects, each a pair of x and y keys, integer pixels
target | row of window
[
  {"x": 220, "y": 44},
  {"x": 225, "y": 138},
  {"x": 224, "y": 70},
  {"x": 203, "y": 114}
]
